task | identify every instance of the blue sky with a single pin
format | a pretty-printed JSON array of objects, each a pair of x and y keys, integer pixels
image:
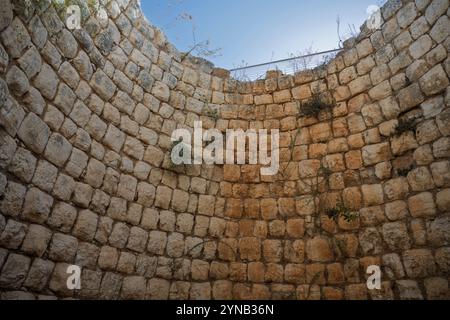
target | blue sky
[{"x": 256, "y": 31}]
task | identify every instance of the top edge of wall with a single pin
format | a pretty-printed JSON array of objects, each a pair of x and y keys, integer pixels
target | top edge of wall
[{"x": 133, "y": 10}]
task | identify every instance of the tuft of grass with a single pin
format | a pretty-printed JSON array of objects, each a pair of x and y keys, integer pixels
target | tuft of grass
[
  {"x": 404, "y": 126},
  {"x": 212, "y": 113},
  {"x": 341, "y": 211},
  {"x": 325, "y": 171},
  {"x": 315, "y": 105}
]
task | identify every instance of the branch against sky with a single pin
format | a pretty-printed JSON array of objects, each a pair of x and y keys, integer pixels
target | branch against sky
[
  {"x": 226, "y": 26},
  {"x": 200, "y": 48}
]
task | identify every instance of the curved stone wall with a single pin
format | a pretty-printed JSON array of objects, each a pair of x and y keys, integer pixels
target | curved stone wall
[{"x": 86, "y": 179}]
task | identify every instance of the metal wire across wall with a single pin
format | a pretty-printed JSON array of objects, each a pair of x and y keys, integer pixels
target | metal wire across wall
[{"x": 286, "y": 66}]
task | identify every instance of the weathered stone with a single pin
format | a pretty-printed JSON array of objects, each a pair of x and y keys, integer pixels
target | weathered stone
[
  {"x": 67, "y": 44},
  {"x": 420, "y": 179},
  {"x": 63, "y": 248},
  {"x": 370, "y": 241},
  {"x": 124, "y": 103},
  {"x": 422, "y": 205},
  {"x": 34, "y": 102},
  {"x": 318, "y": 249},
  {"x": 108, "y": 258},
  {"x": 393, "y": 266},
  {"x": 92, "y": 281},
  {"x": 373, "y": 195},
  {"x": 34, "y": 133},
  {"x": 409, "y": 290},
  {"x": 65, "y": 99},
  {"x": 206, "y": 205},
  {"x": 396, "y": 210},
  {"x": 443, "y": 200},
  {"x": 86, "y": 225},
  {"x": 374, "y": 154},
  {"x": 13, "y": 198},
  {"x": 134, "y": 288},
  {"x": 114, "y": 138},
  {"x": 249, "y": 249},
  {"x": 410, "y": 97},
  {"x": 82, "y": 195},
  {"x": 64, "y": 187},
  {"x": 111, "y": 149},
  {"x": 80, "y": 114},
  {"x": 14, "y": 271},
  {"x": 45, "y": 176},
  {"x": 95, "y": 173},
  {"x": 137, "y": 240},
  {"x": 158, "y": 289},
  {"x": 31, "y": 62},
  {"x": 13, "y": 234},
  {"x": 441, "y": 148},
  {"x": 436, "y": 288},
  {"x": 439, "y": 32},
  {"x": 104, "y": 230},
  {"x": 110, "y": 286},
  {"x": 119, "y": 235},
  {"x": 15, "y": 37},
  {"x": 419, "y": 263},
  {"x": 421, "y": 47},
  {"x": 163, "y": 197},
  {"x": 396, "y": 236},
  {"x": 39, "y": 274},
  {"x": 438, "y": 231},
  {"x": 126, "y": 263},
  {"x": 146, "y": 194},
  {"x": 103, "y": 85},
  {"x": 23, "y": 165},
  {"x": 3, "y": 183},
  {"x": 63, "y": 217},
  {"x": 396, "y": 189},
  {"x": 17, "y": 81},
  {"x": 157, "y": 242},
  {"x": 6, "y": 15},
  {"x": 37, "y": 206},
  {"x": 403, "y": 143},
  {"x": 434, "y": 81},
  {"x": 127, "y": 187},
  {"x": 46, "y": 82},
  {"x": 36, "y": 240},
  {"x": 82, "y": 140},
  {"x": 87, "y": 255},
  {"x": 58, "y": 281}
]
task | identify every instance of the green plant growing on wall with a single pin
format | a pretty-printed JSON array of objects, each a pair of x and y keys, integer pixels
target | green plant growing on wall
[
  {"x": 404, "y": 126},
  {"x": 341, "y": 211},
  {"x": 315, "y": 185},
  {"x": 212, "y": 113},
  {"x": 314, "y": 106},
  {"x": 340, "y": 245}
]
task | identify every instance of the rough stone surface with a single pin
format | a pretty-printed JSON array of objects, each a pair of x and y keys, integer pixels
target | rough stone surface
[
  {"x": 34, "y": 133},
  {"x": 86, "y": 176}
]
